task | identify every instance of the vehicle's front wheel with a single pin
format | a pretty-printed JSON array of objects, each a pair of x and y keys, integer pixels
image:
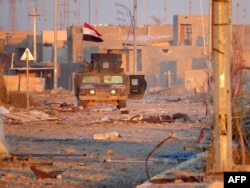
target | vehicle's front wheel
[
  {"x": 122, "y": 104},
  {"x": 82, "y": 103}
]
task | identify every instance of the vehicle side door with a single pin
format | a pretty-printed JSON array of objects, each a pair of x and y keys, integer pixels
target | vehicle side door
[{"x": 138, "y": 86}]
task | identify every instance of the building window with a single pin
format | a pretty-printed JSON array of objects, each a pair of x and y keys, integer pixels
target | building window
[
  {"x": 186, "y": 34},
  {"x": 199, "y": 63}
]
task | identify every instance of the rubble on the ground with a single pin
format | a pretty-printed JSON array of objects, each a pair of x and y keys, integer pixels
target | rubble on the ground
[{"x": 32, "y": 115}]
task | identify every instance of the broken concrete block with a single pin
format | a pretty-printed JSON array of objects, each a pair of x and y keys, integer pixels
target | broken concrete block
[{"x": 3, "y": 145}]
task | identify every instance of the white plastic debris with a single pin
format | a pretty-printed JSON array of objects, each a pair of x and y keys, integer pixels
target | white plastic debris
[
  {"x": 106, "y": 136},
  {"x": 3, "y": 110}
]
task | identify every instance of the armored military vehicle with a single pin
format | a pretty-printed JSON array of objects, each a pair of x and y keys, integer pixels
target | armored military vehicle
[{"x": 104, "y": 80}]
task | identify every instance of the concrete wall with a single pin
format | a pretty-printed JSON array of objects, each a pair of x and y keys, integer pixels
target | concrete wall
[
  {"x": 177, "y": 60},
  {"x": 16, "y": 83},
  {"x": 156, "y": 60},
  {"x": 158, "y": 56},
  {"x": 197, "y": 83},
  {"x": 48, "y": 37},
  {"x": 141, "y": 30},
  {"x": 16, "y": 42},
  {"x": 199, "y": 29},
  {"x": 74, "y": 43},
  {"x": 48, "y": 46}
]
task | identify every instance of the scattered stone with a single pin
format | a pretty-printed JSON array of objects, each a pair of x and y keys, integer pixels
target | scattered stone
[
  {"x": 80, "y": 108},
  {"x": 70, "y": 150},
  {"x": 56, "y": 90},
  {"x": 42, "y": 175},
  {"x": 106, "y": 136},
  {"x": 180, "y": 117},
  {"x": 2, "y": 111},
  {"x": 216, "y": 184},
  {"x": 9, "y": 176},
  {"x": 110, "y": 152}
]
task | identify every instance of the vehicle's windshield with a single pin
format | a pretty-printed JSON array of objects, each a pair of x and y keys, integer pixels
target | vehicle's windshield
[
  {"x": 91, "y": 79},
  {"x": 113, "y": 79}
]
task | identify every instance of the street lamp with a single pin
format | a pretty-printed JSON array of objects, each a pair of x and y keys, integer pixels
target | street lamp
[
  {"x": 123, "y": 19},
  {"x": 133, "y": 24}
]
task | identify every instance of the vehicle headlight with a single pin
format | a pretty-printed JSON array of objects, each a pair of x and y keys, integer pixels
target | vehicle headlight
[
  {"x": 113, "y": 92},
  {"x": 92, "y": 91}
]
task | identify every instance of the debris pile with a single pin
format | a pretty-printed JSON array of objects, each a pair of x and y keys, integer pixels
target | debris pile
[
  {"x": 56, "y": 98},
  {"x": 161, "y": 118}
]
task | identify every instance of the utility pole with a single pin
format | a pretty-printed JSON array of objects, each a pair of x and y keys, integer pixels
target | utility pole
[
  {"x": 165, "y": 11},
  {"x": 89, "y": 11},
  {"x": 34, "y": 32},
  {"x": 222, "y": 52},
  {"x": 134, "y": 38},
  {"x": 55, "y": 43},
  {"x": 144, "y": 12}
]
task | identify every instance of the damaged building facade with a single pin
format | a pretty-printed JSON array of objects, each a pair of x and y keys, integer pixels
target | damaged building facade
[{"x": 168, "y": 55}]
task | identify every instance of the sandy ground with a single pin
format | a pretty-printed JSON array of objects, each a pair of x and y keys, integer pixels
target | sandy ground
[{"x": 69, "y": 145}]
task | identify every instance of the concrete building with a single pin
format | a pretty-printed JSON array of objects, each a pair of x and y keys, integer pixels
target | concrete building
[
  {"x": 169, "y": 55},
  {"x": 165, "y": 54}
]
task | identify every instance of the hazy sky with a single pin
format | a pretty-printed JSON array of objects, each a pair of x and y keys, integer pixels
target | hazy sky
[{"x": 107, "y": 12}]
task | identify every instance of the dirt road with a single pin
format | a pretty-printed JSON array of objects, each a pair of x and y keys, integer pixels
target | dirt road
[{"x": 68, "y": 145}]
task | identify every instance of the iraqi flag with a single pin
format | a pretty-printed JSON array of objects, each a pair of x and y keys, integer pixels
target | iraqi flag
[{"x": 90, "y": 34}]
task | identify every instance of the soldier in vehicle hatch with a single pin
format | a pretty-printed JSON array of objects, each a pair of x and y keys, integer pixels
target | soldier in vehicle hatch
[{"x": 89, "y": 66}]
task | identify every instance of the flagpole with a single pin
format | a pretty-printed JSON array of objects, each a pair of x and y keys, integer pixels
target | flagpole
[{"x": 81, "y": 58}]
